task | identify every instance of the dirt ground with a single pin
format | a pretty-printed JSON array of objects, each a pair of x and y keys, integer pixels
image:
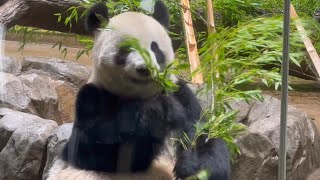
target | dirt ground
[{"x": 43, "y": 50}]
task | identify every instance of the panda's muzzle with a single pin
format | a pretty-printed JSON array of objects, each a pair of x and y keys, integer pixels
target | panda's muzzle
[
  {"x": 142, "y": 70},
  {"x": 140, "y": 81},
  {"x": 143, "y": 75}
]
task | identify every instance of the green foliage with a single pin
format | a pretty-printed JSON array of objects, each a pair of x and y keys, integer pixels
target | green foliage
[
  {"x": 201, "y": 175},
  {"x": 70, "y": 18},
  {"x": 237, "y": 56},
  {"x": 234, "y": 11},
  {"x": 306, "y": 7}
]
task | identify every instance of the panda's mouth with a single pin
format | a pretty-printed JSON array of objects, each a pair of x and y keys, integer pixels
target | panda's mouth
[{"x": 140, "y": 81}]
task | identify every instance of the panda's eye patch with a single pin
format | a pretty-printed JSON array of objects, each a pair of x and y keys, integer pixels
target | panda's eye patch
[
  {"x": 157, "y": 52},
  {"x": 121, "y": 56}
]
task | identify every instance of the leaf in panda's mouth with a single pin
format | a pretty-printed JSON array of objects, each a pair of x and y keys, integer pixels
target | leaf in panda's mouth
[{"x": 161, "y": 78}]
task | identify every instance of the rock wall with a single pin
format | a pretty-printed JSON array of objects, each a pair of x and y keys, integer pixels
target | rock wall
[
  {"x": 43, "y": 87},
  {"x": 260, "y": 145},
  {"x": 36, "y": 90}
]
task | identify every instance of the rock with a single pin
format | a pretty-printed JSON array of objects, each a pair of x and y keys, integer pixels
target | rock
[
  {"x": 53, "y": 99},
  {"x": 243, "y": 109},
  {"x": 10, "y": 65},
  {"x": 71, "y": 72},
  {"x": 43, "y": 95},
  {"x": 12, "y": 94},
  {"x": 315, "y": 175},
  {"x": 22, "y": 157},
  {"x": 256, "y": 150},
  {"x": 66, "y": 102},
  {"x": 203, "y": 97},
  {"x": 303, "y": 143},
  {"x": 302, "y": 137},
  {"x": 56, "y": 141}
]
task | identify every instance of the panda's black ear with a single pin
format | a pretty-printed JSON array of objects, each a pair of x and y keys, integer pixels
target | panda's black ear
[
  {"x": 161, "y": 14},
  {"x": 96, "y": 17}
]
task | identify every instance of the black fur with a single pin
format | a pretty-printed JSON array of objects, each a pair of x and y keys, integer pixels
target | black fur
[
  {"x": 92, "y": 22},
  {"x": 161, "y": 14},
  {"x": 121, "y": 57},
  {"x": 158, "y": 53},
  {"x": 212, "y": 155},
  {"x": 104, "y": 122}
]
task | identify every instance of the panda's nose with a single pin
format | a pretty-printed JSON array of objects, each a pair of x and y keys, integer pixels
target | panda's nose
[{"x": 143, "y": 70}]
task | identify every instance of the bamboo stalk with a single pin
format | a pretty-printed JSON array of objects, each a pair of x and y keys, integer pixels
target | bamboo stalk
[
  {"x": 210, "y": 17},
  {"x": 307, "y": 42},
  {"x": 191, "y": 42}
]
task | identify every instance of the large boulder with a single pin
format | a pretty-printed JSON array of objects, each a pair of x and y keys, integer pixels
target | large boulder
[
  {"x": 315, "y": 175},
  {"x": 257, "y": 152},
  {"x": 303, "y": 143},
  {"x": 53, "y": 99},
  {"x": 56, "y": 141},
  {"x": 23, "y": 144},
  {"x": 13, "y": 95},
  {"x": 43, "y": 87},
  {"x": 9, "y": 65},
  {"x": 243, "y": 109},
  {"x": 74, "y": 73}
]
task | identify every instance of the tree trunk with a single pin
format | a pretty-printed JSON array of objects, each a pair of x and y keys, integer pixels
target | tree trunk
[{"x": 40, "y": 14}]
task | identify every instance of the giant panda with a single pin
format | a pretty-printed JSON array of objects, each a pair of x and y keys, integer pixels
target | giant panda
[{"x": 124, "y": 121}]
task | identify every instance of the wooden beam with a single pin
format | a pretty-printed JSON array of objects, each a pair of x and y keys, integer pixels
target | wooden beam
[
  {"x": 210, "y": 17},
  {"x": 307, "y": 42},
  {"x": 191, "y": 42}
]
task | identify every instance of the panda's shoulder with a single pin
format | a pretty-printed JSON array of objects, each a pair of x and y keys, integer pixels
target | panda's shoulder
[
  {"x": 185, "y": 95},
  {"x": 91, "y": 99},
  {"x": 91, "y": 91}
]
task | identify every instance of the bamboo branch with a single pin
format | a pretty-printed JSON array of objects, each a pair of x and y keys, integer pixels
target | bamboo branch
[{"x": 191, "y": 42}]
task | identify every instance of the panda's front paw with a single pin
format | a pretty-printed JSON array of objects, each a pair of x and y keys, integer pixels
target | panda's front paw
[
  {"x": 187, "y": 164},
  {"x": 211, "y": 156}
]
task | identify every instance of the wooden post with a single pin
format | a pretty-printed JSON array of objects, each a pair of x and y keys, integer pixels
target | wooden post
[
  {"x": 191, "y": 42},
  {"x": 307, "y": 42},
  {"x": 210, "y": 17}
]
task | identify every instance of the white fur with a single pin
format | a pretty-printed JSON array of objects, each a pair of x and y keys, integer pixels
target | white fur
[
  {"x": 161, "y": 169},
  {"x": 115, "y": 78}
]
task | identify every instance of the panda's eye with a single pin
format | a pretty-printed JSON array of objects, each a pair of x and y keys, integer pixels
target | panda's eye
[
  {"x": 121, "y": 57},
  {"x": 154, "y": 46},
  {"x": 157, "y": 52}
]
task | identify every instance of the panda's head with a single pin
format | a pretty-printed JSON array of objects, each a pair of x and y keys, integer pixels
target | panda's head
[{"x": 124, "y": 72}]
